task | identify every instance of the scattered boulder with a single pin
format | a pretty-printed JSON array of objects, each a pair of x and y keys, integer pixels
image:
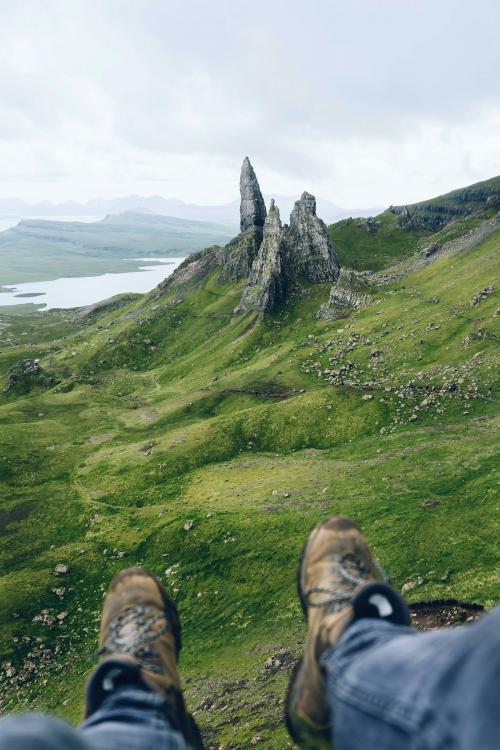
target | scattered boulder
[
  {"x": 482, "y": 295},
  {"x": 431, "y": 503},
  {"x": 61, "y": 569}
]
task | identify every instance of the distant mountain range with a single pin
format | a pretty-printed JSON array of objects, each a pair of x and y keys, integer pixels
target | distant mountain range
[{"x": 227, "y": 213}]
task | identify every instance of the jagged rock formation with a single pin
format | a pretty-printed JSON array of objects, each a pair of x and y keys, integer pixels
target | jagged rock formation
[
  {"x": 351, "y": 292},
  {"x": 25, "y": 375},
  {"x": 309, "y": 252},
  {"x": 289, "y": 255},
  {"x": 266, "y": 287},
  {"x": 237, "y": 257},
  {"x": 274, "y": 259},
  {"x": 252, "y": 206}
]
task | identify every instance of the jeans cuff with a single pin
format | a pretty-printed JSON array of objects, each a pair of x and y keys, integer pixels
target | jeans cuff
[{"x": 109, "y": 675}]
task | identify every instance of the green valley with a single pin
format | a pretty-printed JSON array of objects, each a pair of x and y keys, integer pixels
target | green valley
[{"x": 172, "y": 432}]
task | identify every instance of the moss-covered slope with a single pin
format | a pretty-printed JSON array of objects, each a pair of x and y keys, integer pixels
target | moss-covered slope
[{"x": 171, "y": 409}]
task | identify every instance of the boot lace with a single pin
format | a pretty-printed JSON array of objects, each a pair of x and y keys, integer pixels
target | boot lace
[
  {"x": 132, "y": 632},
  {"x": 350, "y": 574}
]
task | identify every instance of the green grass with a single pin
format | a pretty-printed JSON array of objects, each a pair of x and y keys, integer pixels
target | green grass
[
  {"x": 232, "y": 422},
  {"x": 374, "y": 249}
]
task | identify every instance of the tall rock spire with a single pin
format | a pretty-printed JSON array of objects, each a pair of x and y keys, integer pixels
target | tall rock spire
[
  {"x": 252, "y": 207},
  {"x": 265, "y": 287}
]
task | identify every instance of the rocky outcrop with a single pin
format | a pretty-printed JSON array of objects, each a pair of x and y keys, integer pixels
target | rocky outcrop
[
  {"x": 309, "y": 252},
  {"x": 463, "y": 244},
  {"x": 274, "y": 259},
  {"x": 432, "y": 216},
  {"x": 351, "y": 292},
  {"x": 193, "y": 271},
  {"x": 27, "y": 374},
  {"x": 266, "y": 283},
  {"x": 289, "y": 256},
  {"x": 429, "y": 217},
  {"x": 236, "y": 258},
  {"x": 106, "y": 305},
  {"x": 252, "y": 206}
]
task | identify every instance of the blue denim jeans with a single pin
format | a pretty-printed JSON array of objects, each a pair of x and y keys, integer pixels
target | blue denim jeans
[
  {"x": 391, "y": 688},
  {"x": 125, "y": 716},
  {"x": 388, "y": 688}
]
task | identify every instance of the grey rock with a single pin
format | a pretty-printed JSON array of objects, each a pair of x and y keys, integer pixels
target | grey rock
[
  {"x": 482, "y": 295},
  {"x": 252, "y": 206},
  {"x": 192, "y": 272},
  {"x": 289, "y": 256},
  {"x": 236, "y": 258},
  {"x": 434, "y": 215},
  {"x": 309, "y": 252},
  {"x": 266, "y": 283},
  {"x": 25, "y": 375},
  {"x": 351, "y": 292}
]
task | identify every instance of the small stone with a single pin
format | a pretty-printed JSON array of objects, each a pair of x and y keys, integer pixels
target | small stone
[
  {"x": 430, "y": 503},
  {"x": 61, "y": 569},
  {"x": 188, "y": 525}
]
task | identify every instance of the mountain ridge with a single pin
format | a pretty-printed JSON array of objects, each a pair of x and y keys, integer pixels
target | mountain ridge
[{"x": 226, "y": 213}]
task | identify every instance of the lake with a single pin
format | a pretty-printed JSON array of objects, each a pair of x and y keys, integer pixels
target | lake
[{"x": 85, "y": 290}]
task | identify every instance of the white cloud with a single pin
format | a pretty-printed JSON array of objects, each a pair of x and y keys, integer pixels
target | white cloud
[{"x": 365, "y": 104}]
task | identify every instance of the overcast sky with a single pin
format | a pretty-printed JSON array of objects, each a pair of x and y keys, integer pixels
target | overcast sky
[{"x": 364, "y": 102}]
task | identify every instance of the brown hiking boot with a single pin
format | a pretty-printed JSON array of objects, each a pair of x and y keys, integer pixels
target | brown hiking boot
[
  {"x": 335, "y": 570},
  {"x": 140, "y": 629}
]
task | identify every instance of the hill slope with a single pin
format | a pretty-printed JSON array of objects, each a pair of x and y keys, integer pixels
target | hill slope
[
  {"x": 35, "y": 250},
  {"x": 376, "y": 242},
  {"x": 172, "y": 410}
]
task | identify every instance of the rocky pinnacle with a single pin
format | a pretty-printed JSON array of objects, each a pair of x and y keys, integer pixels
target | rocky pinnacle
[
  {"x": 252, "y": 207},
  {"x": 310, "y": 254},
  {"x": 266, "y": 284}
]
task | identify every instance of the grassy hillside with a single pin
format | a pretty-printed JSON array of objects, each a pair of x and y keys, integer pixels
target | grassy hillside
[
  {"x": 372, "y": 244},
  {"x": 36, "y": 250},
  {"x": 375, "y": 243},
  {"x": 172, "y": 410}
]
